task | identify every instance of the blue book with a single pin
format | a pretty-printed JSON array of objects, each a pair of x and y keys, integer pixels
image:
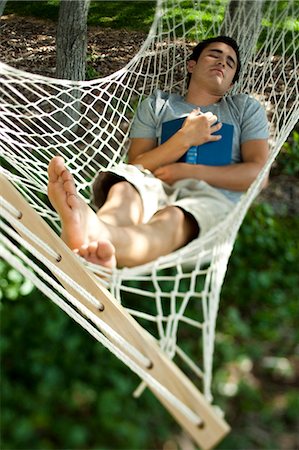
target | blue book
[{"x": 216, "y": 153}]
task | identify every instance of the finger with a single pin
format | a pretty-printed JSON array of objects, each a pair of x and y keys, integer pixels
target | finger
[
  {"x": 215, "y": 137},
  {"x": 195, "y": 112},
  {"x": 216, "y": 127},
  {"x": 212, "y": 119},
  {"x": 210, "y": 115}
]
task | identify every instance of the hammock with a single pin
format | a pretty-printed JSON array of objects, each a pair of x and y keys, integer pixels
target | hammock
[{"x": 140, "y": 313}]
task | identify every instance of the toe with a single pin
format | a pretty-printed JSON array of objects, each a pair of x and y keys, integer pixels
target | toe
[
  {"x": 101, "y": 253},
  {"x": 105, "y": 250},
  {"x": 93, "y": 247},
  {"x": 83, "y": 251}
]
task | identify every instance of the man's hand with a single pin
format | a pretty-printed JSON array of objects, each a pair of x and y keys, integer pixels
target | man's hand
[
  {"x": 173, "y": 172},
  {"x": 198, "y": 128}
]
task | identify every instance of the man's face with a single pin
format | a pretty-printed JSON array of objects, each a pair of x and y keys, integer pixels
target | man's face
[{"x": 215, "y": 67}]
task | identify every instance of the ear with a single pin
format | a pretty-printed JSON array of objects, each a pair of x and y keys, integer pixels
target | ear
[{"x": 190, "y": 65}]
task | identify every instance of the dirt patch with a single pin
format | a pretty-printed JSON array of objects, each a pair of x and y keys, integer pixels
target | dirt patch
[{"x": 29, "y": 44}]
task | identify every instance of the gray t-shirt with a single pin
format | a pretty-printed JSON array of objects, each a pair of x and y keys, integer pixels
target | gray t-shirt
[{"x": 242, "y": 111}]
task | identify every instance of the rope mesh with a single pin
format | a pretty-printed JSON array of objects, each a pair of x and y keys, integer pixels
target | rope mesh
[{"x": 88, "y": 123}]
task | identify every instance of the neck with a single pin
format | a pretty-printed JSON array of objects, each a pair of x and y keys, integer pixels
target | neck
[{"x": 199, "y": 97}]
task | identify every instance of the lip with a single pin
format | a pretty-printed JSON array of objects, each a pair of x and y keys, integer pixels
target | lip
[{"x": 218, "y": 70}]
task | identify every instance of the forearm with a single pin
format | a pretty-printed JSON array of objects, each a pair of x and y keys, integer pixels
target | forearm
[
  {"x": 234, "y": 177},
  {"x": 161, "y": 155}
]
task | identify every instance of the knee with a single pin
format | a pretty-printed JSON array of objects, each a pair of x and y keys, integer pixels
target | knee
[
  {"x": 172, "y": 216},
  {"x": 176, "y": 215},
  {"x": 124, "y": 189},
  {"x": 182, "y": 223}
]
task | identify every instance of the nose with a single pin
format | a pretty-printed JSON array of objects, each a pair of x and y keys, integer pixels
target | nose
[{"x": 221, "y": 62}]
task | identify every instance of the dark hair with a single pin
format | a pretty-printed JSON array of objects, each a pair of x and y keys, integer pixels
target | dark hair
[{"x": 226, "y": 40}]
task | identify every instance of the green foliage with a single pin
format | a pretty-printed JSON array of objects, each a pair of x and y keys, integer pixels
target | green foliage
[
  {"x": 42, "y": 9},
  {"x": 139, "y": 15},
  {"x": 61, "y": 389},
  {"x": 91, "y": 73},
  {"x": 185, "y": 16},
  {"x": 12, "y": 284},
  {"x": 257, "y": 335},
  {"x": 64, "y": 390},
  {"x": 276, "y": 24},
  {"x": 260, "y": 291},
  {"x": 288, "y": 161},
  {"x": 135, "y": 15}
]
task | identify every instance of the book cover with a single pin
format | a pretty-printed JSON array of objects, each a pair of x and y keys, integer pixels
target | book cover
[{"x": 216, "y": 153}]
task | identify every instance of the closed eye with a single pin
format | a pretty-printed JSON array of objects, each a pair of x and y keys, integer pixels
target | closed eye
[
  {"x": 230, "y": 62},
  {"x": 215, "y": 53}
]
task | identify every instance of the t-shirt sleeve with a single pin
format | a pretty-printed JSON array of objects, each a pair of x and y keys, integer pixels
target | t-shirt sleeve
[
  {"x": 144, "y": 122},
  {"x": 254, "y": 123}
]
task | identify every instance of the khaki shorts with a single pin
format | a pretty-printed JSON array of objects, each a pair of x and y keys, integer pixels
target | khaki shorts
[{"x": 206, "y": 204}]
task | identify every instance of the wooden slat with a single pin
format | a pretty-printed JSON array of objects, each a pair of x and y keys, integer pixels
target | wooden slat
[{"x": 162, "y": 369}]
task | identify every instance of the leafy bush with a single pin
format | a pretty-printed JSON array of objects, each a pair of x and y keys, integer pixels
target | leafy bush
[
  {"x": 256, "y": 366},
  {"x": 288, "y": 161},
  {"x": 60, "y": 389}
]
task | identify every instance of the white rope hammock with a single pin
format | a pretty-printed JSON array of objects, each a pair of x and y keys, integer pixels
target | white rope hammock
[{"x": 88, "y": 123}]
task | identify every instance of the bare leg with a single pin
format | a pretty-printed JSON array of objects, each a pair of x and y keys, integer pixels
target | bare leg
[
  {"x": 167, "y": 231},
  {"x": 105, "y": 244},
  {"x": 80, "y": 224},
  {"x": 123, "y": 206}
]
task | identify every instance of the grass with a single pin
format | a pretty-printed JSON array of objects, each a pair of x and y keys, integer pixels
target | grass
[
  {"x": 139, "y": 15},
  {"x": 132, "y": 15},
  {"x": 41, "y": 9}
]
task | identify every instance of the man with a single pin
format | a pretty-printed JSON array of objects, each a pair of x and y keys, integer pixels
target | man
[{"x": 156, "y": 203}]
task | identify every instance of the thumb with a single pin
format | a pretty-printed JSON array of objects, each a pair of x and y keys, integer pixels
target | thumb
[{"x": 195, "y": 111}]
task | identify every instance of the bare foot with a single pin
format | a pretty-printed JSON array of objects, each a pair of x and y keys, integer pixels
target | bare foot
[
  {"x": 99, "y": 252},
  {"x": 80, "y": 224}
]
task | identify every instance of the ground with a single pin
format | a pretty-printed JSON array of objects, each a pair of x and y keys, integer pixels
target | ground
[{"x": 29, "y": 44}]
